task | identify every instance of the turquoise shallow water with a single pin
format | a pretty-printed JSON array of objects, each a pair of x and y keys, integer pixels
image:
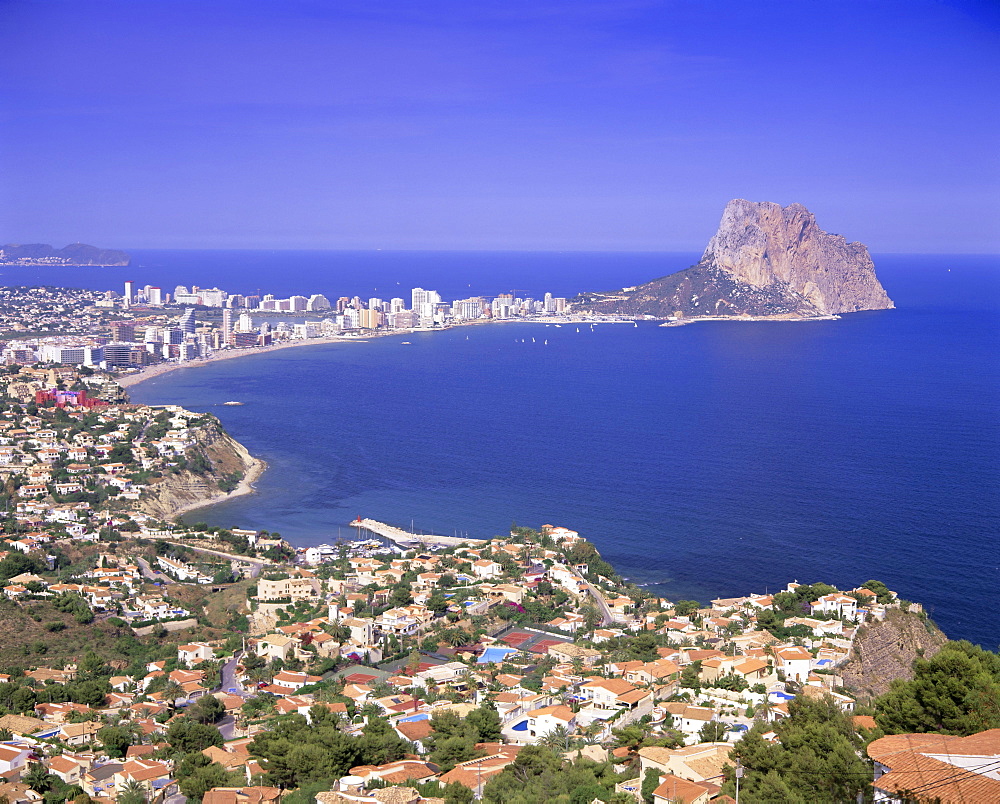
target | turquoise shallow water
[{"x": 712, "y": 459}]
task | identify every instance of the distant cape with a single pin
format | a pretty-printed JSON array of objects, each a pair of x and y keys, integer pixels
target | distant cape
[
  {"x": 764, "y": 260},
  {"x": 73, "y": 254}
]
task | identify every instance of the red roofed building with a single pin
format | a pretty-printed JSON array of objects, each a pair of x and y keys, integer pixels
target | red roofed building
[{"x": 937, "y": 767}]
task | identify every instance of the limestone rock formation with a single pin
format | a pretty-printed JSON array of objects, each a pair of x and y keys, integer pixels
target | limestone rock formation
[
  {"x": 885, "y": 650},
  {"x": 765, "y": 260}
]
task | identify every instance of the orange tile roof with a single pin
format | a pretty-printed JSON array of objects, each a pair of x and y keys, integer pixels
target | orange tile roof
[{"x": 953, "y": 770}]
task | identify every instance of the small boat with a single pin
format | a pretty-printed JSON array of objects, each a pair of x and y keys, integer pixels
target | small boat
[
  {"x": 406, "y": 343},
  {"x": 558, "y": 326},
  {"x": 577, "y": 329},
  {"x": 232, "y": 403},
  {"x": 546, "y": 343},
  {"x": 532, "y": 340},
  {"x": 636, "y": 324}
]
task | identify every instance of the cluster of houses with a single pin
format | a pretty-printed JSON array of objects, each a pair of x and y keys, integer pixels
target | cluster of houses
[
  {"x": 572, "y": 676},
  {"x": 56, "y": 464},
  {"x": 114, "y": 584}
]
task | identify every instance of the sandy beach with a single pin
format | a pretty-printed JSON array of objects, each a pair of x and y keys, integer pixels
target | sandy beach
[{"x": 128, "y": 380}]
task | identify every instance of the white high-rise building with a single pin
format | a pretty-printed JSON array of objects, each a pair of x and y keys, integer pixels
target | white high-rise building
[
  {"x": 318, "y": 302},
  {"x": 352, "y": 319},
  {"x": 187, "y": 323},
  {"x": 212, "y": 297},
  {"x": 245, "y": 324},
  {"x": 375, "y": 304},
  {"x": 397, "y": 304},
  {"x": 420, "y": 297},
  {"x": 468, "y": 309},
  {"x": 129, "y": 293},
  {"x": 154, "y": 296}
]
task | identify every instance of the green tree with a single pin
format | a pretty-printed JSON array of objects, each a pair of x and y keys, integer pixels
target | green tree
[
  {"x": 116, "y": 740},
  {"x": 816, "y": 759},
  {"x": 437, "y": 603},
  {"x": 882, "y": 593},
  {"x": 650, "y": 781},
  {"x": 559, "y": 739},
  {"x": 685, "y": 608},
  {"x": 170, "y": 692},
  {"x": 188, "y": 736},
  {"x": 713, "y": 731},
  {"x": 486, "y": 721},
  {"x": 203, "y": 779},
  {"x": 957, "y": 691},
  {"x": 452, "y": 740},
  {"x": 207, "y": 709}
]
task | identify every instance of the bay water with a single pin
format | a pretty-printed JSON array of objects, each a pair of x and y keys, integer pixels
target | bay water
[{"x": 714, "y": 459}]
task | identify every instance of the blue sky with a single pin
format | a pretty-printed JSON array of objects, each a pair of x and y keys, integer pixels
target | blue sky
[{"x": 495, "y": 125}]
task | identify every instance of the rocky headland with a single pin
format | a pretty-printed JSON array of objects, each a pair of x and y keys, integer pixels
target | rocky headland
[
  {"x": 231, "y": 471},
  {"x": 73, "y": 254},
  {"x": 765, "y": 260}
]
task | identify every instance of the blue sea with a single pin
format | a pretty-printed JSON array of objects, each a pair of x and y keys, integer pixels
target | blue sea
[{"x": 714, "y": 459}]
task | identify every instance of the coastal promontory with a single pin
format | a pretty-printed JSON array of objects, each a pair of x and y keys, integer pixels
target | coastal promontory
[
  {"x": 73, "y": 254},
  {"x": 764, "y": 260}
]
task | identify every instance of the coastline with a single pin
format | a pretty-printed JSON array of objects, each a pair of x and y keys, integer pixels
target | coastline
[
  {"x": 680, "y": 322},
  {"x": 128, "y": 380},
  {"x": 151, "y": 372},
  {"x": 246, "y": 486}
]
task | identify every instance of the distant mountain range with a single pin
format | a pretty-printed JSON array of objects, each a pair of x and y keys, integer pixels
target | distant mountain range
[
  {"x": 765, "y": 260},
  {"x": 73, "y": 254}
]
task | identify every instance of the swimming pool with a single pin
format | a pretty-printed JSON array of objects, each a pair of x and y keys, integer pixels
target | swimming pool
[
  {"x": 494, "y": 654},
  {"x": 522, "y": 726}
]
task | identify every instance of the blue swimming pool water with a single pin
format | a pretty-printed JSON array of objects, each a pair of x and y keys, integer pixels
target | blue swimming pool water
[{"x": 494, "y": 655}]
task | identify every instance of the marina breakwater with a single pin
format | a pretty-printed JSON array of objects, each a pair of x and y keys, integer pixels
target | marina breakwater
[{"x": 410, "y": 540}]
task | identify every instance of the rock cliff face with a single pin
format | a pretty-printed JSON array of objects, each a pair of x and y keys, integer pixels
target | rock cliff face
[
  {"x": 175, "y": 493},
  {"x": 885, "y": 650},
  {"x": 765, "y": 260}
]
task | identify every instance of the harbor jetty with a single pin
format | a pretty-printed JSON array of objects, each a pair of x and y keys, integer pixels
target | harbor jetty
[{"x": 411, "y": 540}]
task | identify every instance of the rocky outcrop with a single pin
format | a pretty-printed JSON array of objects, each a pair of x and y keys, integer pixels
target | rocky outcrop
[
  {"x": 764, "y": 260},
  {"x": 187, "y": 490},
  {"x": 885, "y": 650}
]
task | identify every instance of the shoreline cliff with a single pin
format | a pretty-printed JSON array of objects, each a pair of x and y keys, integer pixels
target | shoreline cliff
[{"x": 233, "y": 473}]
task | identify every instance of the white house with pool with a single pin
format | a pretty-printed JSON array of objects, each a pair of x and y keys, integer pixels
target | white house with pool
[{"x": 539, "y": 722}]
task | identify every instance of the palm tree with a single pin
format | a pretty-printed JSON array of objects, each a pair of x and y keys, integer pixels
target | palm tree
[
  {"x": 591, "y": 731},
  {"x": 37, "y": 778},
  {"x": 560, "y": 738},
  {"x": 171, "y": 692},
  {"x": 763, "y": 712},
  {"x": 132, "y": 792},
  {"x": 371, "y": 710}
]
